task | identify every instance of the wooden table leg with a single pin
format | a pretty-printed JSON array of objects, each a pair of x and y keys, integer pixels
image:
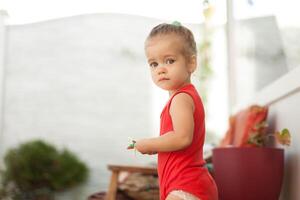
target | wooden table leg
[
  {"x": 114, "y": 180},
  {"x": 113, "y": 186}
]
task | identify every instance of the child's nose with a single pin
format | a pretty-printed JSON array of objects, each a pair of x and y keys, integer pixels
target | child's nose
[{"x": 161, "y": 69}]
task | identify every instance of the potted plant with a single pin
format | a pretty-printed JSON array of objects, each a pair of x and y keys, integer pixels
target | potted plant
[
  {"x": 251, "y": 168},
  {"x": 36, "y": 169}
]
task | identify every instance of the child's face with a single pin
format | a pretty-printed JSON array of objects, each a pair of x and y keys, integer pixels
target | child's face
[{"x": 170, "y": 68}]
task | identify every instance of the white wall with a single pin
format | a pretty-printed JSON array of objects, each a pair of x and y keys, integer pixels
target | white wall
[
  {"x": 286, "y": 113},
  {"x": 81, "y": 82},
  {"x": 2, "y": 64}
]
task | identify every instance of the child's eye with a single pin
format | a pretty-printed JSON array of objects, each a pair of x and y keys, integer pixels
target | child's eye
[
  {"x": 153, "y": 64},
  {"x": 170, "y": 61}
]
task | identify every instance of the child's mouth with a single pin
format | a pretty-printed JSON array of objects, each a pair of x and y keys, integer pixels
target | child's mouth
[{"x": 163, "y": 79}]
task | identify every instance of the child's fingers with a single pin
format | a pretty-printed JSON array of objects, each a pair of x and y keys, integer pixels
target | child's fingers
[{"x": 152, "y": 153}]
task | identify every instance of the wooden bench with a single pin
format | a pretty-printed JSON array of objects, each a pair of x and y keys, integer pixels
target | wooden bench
[{"x": 115, "y": 172}]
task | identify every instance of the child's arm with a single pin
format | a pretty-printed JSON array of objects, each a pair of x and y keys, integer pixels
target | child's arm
[{"x": 181, "y": 111}]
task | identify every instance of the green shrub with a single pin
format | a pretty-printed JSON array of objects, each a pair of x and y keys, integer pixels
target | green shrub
[{"x": 36, "y": 166}]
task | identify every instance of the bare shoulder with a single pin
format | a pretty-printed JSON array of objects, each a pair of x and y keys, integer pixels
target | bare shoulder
[{"x": 182, "y": 100}]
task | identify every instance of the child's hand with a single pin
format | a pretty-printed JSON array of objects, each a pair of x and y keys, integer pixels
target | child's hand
[
  {"x": 152, "y": 153},
  {"x": 141, "y": 146}
]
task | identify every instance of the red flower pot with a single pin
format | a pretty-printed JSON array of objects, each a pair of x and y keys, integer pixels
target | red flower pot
[{"x": 248, "y": 173}]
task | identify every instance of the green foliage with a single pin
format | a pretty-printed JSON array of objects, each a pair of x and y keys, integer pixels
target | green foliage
[
  {"x": 36, "y": 165},
  {"x": 260, "y": 138}
]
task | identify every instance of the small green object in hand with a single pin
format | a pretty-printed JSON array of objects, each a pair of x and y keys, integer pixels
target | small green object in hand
[{"x": 132, "y": 145}]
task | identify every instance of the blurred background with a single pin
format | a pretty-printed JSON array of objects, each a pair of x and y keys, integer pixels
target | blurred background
[{"x": 74, "y": 73}]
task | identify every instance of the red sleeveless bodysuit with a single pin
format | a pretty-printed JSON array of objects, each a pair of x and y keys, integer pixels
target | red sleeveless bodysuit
[{"x": 184, "y": 169}]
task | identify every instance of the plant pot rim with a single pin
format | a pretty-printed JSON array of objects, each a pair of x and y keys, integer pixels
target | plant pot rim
[{"x": 248, "y": 149}]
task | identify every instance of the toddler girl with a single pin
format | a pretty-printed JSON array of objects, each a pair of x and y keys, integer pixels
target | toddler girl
[{"x": 171, "y": 53}]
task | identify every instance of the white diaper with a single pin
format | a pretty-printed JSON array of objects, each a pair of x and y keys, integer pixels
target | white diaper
[{"x": 184, "y": 195}]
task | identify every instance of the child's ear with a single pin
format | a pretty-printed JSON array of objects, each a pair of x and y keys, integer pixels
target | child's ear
[{"x": 192, "y": 63}]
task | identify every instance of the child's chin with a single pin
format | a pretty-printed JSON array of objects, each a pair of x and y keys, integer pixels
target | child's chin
[{"x": 164, "y": 87}]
